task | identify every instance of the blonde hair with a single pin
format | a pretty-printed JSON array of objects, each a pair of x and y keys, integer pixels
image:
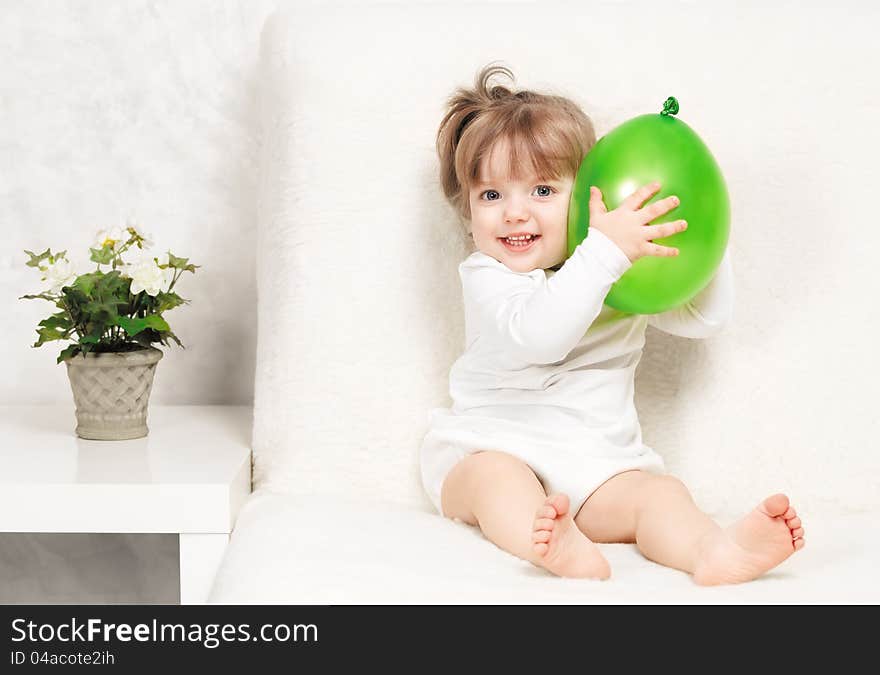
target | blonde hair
[{"x": 547, "y": 134}]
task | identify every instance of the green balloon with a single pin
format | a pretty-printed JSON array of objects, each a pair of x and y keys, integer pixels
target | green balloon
[{"x": 640, "y": 151}]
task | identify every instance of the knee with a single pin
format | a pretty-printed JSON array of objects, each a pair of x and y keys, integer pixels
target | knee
[
  {"x": 666, "y": 486},
  {"x": 493, "y": 463},
  {"x": 466, "y": 483},
  {"x": 493, "y": 468}
]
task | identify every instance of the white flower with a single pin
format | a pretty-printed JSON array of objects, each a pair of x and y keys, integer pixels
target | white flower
[
  {"x": 113, "y": 237},
  {"x": 137, "y": 230},
  {"x": 59, "y": 274},
  {"x": 147, "y": 276}
]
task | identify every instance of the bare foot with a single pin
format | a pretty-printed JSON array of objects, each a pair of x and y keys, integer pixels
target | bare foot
[
  {"x": 757, "y": 543},
  {"x": 561, "y": 547}
]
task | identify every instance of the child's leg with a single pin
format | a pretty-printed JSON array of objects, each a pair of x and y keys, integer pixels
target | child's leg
[
  {"x": 501, "y": 494},
  {"x": 654, "y": 512},
  {"x": 659, "y": 515}
]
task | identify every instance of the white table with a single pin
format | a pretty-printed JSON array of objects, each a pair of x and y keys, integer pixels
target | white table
[{"x": 188, "y": 476}]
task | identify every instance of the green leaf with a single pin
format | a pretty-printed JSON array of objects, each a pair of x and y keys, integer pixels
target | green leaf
[
  {"x": 146, "y": 303},
  {"x": 156, "y": 322},
  {"x": 180, "y": 263},
  {"x": 116, "y": 287},
  {"x": 108, "y": 279},
  {"x": 94, "y": 317},
  {"x": 102, "y": 256},
  {"x": 100, "y": 312},
  {"x": 74, "y": 296},
  {"x": 68, "y": 352},
  {"x": 175, "y": 262},
  {"x": 41, "y": 296},
  {"x": 174, "y": 337},
  {"x": 86, "y": 282},
  {"x": 92, "y": 332},
  {"x": 58, "y": 320},
  {"x": 55, "y": 327},
  {"x": 74, "y": 302},
  {"x": 133, "y": 326},
  {"x": 37, "y": 259},
  {"x": 166, "y": 301},
  {"x": 48, "y": 335},
  {"x": 147, "y": 337}
]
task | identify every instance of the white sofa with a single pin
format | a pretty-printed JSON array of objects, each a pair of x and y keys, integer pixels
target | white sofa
[{"x": 360, "y": 309}]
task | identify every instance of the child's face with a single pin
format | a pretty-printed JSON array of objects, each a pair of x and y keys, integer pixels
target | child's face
[{"x": 502, "y": 207}]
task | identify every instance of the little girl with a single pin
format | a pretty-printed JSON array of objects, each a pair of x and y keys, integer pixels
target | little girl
[{"x": 542, "y": 448}]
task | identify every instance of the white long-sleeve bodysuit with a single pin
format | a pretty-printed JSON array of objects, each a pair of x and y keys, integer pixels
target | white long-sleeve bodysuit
[{"x": 548, "y": 370}]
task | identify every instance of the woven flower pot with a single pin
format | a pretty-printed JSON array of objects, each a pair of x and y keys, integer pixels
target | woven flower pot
[{"x": 111, "y": 391}]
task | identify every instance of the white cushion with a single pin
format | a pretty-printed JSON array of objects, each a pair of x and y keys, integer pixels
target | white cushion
[{"x": 305, "y": 550}]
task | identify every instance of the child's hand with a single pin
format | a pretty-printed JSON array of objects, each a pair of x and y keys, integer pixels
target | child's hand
[{"x": 627, "y": 225}]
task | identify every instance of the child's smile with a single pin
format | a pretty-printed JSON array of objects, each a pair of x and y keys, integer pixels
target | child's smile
[{"x": 520, "y": 242}]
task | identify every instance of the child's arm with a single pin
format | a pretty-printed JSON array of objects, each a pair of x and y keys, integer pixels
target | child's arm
[
  {"x": 537, "y": 319},
  {"x": 707, "y": 313}
]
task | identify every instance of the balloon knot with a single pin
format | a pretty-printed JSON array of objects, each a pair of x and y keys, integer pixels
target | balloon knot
[{"x": 670, "y": 106}]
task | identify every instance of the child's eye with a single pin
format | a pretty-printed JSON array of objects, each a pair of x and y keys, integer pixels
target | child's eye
[
  {"x": 490, "y": 195},
  {"x": 544, "y": 191}
]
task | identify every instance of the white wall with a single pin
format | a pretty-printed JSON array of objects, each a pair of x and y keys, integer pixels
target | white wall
[
  {"x": 111, "y": 109},
  {"x": 144, "y": 108}
]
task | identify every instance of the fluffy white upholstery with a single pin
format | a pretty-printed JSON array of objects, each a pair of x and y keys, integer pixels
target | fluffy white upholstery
[
  {"x": 293, "y": 549},
  {"x": 359, "y": 299}
]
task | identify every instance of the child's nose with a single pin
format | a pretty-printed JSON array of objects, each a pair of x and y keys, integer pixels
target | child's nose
[{"x": 515, "y": 212}]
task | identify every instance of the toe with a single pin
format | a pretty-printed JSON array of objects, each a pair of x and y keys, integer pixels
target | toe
[
  {"x": 775, "y": 505},
  {"x": 547, "y": 511},
  {"x": 799, "y": 532},
  {"x": 544, "y": 524},
  {"x": 789, "y": 513},
  {"x": 541, "y": 549},
  {"x": 794, "y": 523},
  {"x": 541, "y": 536},
  {"x": 559, "y": 502},
  {"x": 799, "y": 544}
]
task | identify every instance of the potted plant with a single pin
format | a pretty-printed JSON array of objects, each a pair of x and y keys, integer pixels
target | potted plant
[{"x": 112, "y": 318}]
